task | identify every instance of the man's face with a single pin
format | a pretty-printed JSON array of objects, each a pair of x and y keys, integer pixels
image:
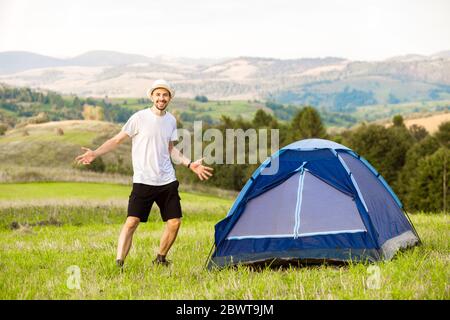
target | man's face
[{"x": 161, "y": 98}]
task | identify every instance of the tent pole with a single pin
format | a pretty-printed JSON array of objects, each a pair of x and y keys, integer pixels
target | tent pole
[
  {"x": 412, "y": 225},
  {"x": 209, "y": 256}
]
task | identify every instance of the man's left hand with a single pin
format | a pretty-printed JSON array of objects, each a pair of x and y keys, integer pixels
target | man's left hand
[{"x": 200, "y": 170}]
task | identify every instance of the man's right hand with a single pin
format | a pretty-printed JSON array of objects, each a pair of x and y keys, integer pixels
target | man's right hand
[{"x": 87, "y": 157}]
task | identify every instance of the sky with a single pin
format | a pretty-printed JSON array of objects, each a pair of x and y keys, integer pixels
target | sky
[{"x": 285, "y": 29}]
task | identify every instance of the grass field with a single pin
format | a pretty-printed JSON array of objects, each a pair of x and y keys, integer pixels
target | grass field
[
  {"x": 410, "y": 109},
  {"x": 44, "y": 245},
  {"x": 84, "y": 191}
]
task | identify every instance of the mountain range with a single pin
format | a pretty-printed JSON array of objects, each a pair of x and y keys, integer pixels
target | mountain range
[{"x": 333, "y": 83}]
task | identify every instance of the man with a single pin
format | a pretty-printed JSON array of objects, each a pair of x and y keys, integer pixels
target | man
[{"x": 152, "y": 131}]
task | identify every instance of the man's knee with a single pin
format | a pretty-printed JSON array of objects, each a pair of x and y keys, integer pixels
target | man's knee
[
  {"x": 174, "y": 224},
  {"x": 132, "y": 223}
]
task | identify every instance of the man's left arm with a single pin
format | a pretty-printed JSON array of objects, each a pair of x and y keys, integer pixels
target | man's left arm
[{"x": 200, "y": 170}]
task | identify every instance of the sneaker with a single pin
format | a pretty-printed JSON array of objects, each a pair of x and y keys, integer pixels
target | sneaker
[
  {"x": 119, "y": 264},
  {"x": 164, "y": 263}
]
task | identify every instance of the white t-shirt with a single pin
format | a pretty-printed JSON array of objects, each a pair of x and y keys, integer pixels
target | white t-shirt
[{"x": 150, "y": 136}]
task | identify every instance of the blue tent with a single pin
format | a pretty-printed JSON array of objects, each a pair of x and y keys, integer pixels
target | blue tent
[{"x": 313, "y": 200}]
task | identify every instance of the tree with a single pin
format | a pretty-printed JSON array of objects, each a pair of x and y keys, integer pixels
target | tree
[
  {"x": 87, "y": 112},
  {"x": 429, "y": 185},
  {"x": 187, "y": 116},
  {"x": 418, "y": 151},
  {"x": 93, "y": 113},
  {"x": 3, "y": 128},
  {"x": 201, "y": 99},
  {"x": 384, "y": 148},
  {"x": 99, "y": 113},
  {"x": 262, "y": 119},
  {"x": 418, "y": 132},
  {"x": 97, "y": 165},
  {"x": 443, "y": 134},
  {"x": 307, "y": 124},
  {"x": 206, "y": 118},
  {"x": 398, "y": 121},
  {"x": 76, "y": 103}
]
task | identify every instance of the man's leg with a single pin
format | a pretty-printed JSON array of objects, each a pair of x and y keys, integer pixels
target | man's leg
[
  {"x": 125, "y": 237},
  {"x": 169, "y": 235}
]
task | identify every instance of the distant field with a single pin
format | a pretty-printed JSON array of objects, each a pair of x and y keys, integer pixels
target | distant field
[
  {"x": 75, "y": 137},
  {"x": 80, "y": 132},
  {"x": 386, "y": 112},
  {"x": 213, "y": 109},
  {"x": 431, "y": 123},
  {"x": 247, "y": 109}
]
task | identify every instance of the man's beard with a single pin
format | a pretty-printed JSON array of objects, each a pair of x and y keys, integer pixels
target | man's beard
[{"x": 163, "y": 108}]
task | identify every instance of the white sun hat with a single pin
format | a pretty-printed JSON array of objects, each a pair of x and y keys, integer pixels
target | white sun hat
[{"x": 161, "y": 84}]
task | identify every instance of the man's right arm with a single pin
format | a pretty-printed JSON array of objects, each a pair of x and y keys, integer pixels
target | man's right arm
[{"x": 106, "y": 147}]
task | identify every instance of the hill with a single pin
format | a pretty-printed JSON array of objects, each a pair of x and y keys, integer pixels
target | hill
[
  {"x": 336, "y": 84},
  {"x": 60, "y": 141},
  {"x": 19, "y": 106},
  {"x": 18, "y": 61},
  {"x": 106, "y": 58},
  {"x": 56, "y": 144}
]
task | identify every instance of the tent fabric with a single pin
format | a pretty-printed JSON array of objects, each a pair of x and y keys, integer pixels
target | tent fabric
[
  {"x": 387, "y": 217},
  {"x": 316, "y": 144},
  {"x": 324, "y": 202},
  {"x": 391, "y": 246},
  {"x": 336, "y": 213},
  {"x": 264, "y": 217}
]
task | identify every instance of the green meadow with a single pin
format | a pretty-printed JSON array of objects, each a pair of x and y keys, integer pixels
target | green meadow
[
  {"x": 25, "y": 192},
  {"x": 58, "y": 241}
]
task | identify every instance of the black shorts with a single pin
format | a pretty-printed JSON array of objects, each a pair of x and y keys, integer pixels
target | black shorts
[{"x": 166, "y": 197}]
